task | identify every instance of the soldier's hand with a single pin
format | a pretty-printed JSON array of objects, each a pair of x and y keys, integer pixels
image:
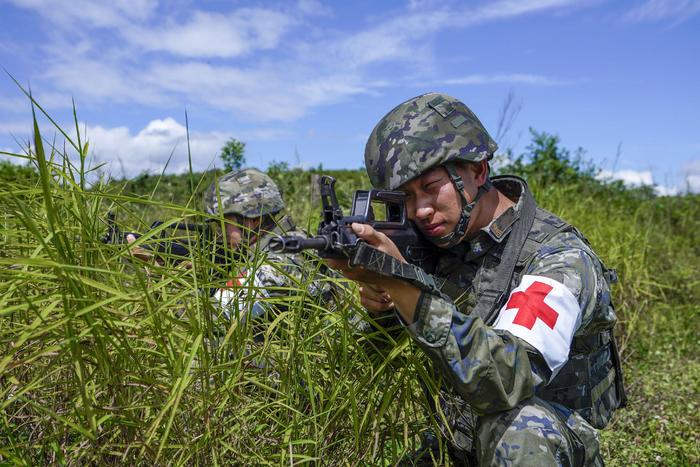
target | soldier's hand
[
  {"x": 375, "y": 299},
  {"x": 141, "y": 253},
  {"x": 377, "y": 239}
]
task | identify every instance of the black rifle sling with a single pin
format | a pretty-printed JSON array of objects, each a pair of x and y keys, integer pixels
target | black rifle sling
[
  {"x": 377, "y": 261},
  {"x": 490, "y": 300}
]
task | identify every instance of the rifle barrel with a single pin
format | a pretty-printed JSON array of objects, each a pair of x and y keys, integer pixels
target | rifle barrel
[{"x": 295, "y": 244}]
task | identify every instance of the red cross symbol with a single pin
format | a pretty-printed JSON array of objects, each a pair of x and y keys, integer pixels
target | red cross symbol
[
  {"x": 531, "y": 305},
  {"x": 238, "y": 281}
]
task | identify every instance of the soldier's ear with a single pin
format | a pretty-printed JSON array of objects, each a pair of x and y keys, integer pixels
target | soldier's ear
[
  {"x": 481, "y": 171},
  {"x": 477, "y": 171}
]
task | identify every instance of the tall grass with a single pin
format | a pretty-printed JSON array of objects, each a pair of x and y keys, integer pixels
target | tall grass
[{"x": 107, "y": 359}]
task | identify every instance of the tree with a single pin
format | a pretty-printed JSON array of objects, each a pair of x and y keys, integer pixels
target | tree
[
  {"x": 232, "y": 154},
  {"x": 546, "y": 161}
]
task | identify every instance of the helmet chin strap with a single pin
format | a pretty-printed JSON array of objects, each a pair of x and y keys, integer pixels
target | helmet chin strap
[{"x": 451, "y": 239}]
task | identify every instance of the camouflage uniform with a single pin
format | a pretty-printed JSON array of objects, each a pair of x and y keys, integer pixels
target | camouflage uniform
[
  {"x": 252, "y": 194},
  {"x": 508, "y": 397}
]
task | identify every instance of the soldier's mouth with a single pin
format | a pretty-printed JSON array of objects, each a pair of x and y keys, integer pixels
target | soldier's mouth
[{"x": 434, "y": 230}]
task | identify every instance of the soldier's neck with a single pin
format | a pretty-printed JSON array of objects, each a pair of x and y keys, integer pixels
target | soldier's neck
[{"x": 490, "y": 207}]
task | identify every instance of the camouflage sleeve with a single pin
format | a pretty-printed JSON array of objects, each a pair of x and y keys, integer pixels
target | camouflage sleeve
[
  {"x": 569, "y": 260},
  {"x": 492, "y": 368},
  {"x": 378, "y": 332},
  {"x": 274, "y": 280},
  {"x": 491, "y": 371}
]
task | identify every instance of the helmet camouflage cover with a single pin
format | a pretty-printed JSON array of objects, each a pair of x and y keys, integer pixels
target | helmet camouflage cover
[
  {"x": 421, "y": 133},
  {"x": 246, "y": 192}
]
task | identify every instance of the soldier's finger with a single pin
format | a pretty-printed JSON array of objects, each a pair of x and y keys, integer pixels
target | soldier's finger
[
  {"x": 367, "y": 233},
  {"x": 371, "y": 294},
  {"x": 339, "y": 264},
  {"x": 375, "y": 306},
  {"x": 374, "y": 287}
]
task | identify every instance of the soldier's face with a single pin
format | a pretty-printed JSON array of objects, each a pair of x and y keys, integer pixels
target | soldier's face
[
  {"x": 432, "y": 201},
  {"x": 238, "y": 229}
]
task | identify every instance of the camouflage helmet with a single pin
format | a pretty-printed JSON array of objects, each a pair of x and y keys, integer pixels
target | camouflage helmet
[
  {"x": 424, "y": 132},
  {"x": 246, "y": 192}
]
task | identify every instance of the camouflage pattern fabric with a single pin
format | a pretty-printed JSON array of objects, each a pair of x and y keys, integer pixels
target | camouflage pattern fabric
[
  {"x": 490, "y": 373},
  {"x": 421, "y": 133},
  {"x": 246, "y": 192},
  {"x": 268, "y": 274},
  {"x": 536, "y": 433}
]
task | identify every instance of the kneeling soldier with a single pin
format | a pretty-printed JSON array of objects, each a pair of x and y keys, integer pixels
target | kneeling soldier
[{"x": 517, "y": 318}]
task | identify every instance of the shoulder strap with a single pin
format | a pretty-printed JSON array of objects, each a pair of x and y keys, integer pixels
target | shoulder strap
[
  {"x": 546, "y": 226},
  {"x": 491, "y": 298}
]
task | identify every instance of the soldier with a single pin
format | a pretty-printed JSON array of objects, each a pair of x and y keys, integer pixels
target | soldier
[
  {"x": 517, "y": 317},
  {"x": 251, "y": 203}
]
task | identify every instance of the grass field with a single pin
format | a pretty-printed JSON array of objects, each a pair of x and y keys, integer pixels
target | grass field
[{"x": 106, "y": 360}]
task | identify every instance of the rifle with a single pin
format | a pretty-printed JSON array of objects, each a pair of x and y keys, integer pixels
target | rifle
[
  {"x": 176, "y": 246},
  {"x": 384, "y": 210}
]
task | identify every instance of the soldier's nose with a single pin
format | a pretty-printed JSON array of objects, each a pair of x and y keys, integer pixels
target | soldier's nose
[{"x": 424, "y": 213}]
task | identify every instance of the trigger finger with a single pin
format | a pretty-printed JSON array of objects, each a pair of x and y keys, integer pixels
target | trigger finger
[{"x": 381, "y": 297}]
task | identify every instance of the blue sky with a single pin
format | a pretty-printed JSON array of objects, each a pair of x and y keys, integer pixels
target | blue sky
[{"x": 306, "y": 81}]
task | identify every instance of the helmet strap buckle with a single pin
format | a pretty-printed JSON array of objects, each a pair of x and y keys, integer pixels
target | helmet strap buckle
[{"x": 460, "y": 229}]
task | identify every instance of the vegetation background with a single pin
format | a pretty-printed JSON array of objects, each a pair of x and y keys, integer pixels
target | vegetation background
[{"x": 105, "y": 359}]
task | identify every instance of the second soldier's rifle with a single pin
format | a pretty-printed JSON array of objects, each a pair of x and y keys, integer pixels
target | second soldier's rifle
[
  {"x": 384, "y": 210},
  {"x": 174, "y": 242}
]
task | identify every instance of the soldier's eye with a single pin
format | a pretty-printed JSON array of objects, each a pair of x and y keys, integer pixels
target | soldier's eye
[{"x": 432, "y": 183}]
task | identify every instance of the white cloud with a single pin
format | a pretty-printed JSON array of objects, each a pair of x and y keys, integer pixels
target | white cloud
[
  {"x": 502, "y": 78},
  {"x": 6, "y": 157},
  {"x": 689, "y": 180},
  {"x": 663, "y": 190},
  {"x": 310, "y": 68},
  {"x": 660, "y": 10},
  {"x": 510, "y": 8},
  {"x": 14, "y": 155},
  {"x": 314, "y": 8},
  {"x": 635, "y": 178},
  {"x": 16, "y": 128},
  {"x": 261, "y": 93},
  {"x": 214, "y": 34},
  {"x": 692, "y": 183},
  {"x": 95, "y": 78},
  {"x": 14, "y": 104},
  {"x": 628, "y": 177},
  {"x": 691, "y": 177},
  {"x": 150, "y": 148},
  {"x": 92, "y": 13}
]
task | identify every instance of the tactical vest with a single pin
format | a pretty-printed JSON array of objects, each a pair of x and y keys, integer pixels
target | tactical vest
[{"x": 591, "y": 381}]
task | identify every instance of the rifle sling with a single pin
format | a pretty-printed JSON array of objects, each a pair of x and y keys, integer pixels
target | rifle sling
[
  {"x": 377, "y": 261},
  {"x": 490, "y": 300}
]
